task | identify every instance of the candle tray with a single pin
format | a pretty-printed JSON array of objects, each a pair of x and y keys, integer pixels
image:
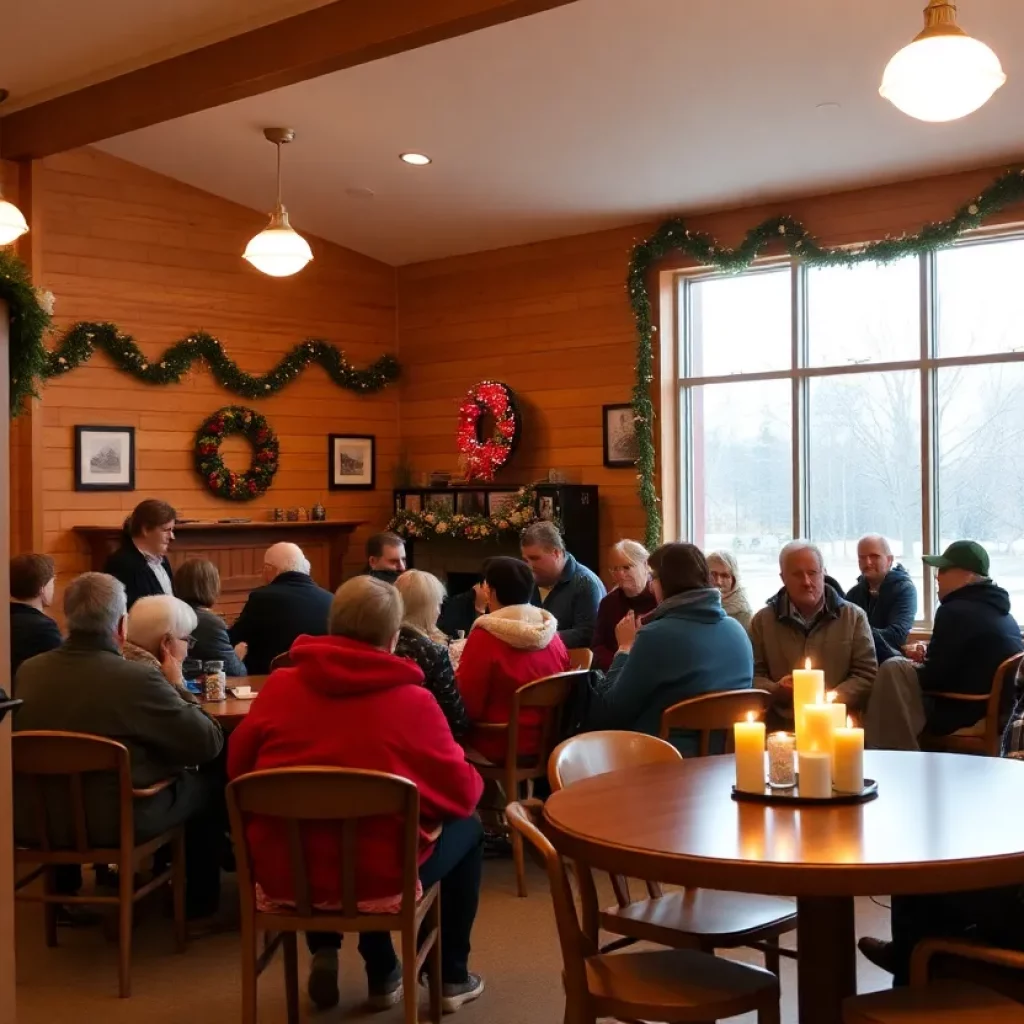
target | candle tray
[{"x": 792, "y": 797}]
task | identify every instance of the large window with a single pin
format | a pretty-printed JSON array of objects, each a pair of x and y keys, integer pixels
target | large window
[{"x": 831, "y": 403}]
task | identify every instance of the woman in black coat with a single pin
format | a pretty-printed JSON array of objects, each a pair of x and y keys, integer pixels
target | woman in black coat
[
  {"x": 141, "y": 562},
  {"x": 197, "y": 583}
]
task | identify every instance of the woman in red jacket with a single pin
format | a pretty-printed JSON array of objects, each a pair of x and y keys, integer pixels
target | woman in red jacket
[
  {"x": 515, "y": 644},
  {"x": 347, "y": 701}
]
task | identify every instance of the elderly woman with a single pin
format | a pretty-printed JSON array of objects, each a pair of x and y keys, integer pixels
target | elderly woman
[
  {"x": 160, "y": 634},
  {"x": 197, "y": 583},
  {"x": 421, "y": 640},
  {"x": 632, "y": 593},
  {"x": 725, "y": 574},
  {"x": 346, "y": 701}
]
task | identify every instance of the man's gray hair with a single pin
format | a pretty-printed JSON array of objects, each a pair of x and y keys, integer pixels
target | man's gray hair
[
  {"x": 800, "y": 545},
  {"x": 287, "y": 557},
  {"x": 542, "y": 535},
  {"x": 95, "y": 603},
  {"x": 879, "y": 540}
]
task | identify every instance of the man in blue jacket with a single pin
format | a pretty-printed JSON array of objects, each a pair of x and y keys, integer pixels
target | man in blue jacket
[
  {"x": 973, "y": 634},
  {"x": 887, "y": 594},
  {"x": 567, "y": 589}
]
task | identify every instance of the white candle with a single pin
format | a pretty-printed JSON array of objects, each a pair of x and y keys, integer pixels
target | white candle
[
  {"x": 815, "y": 773},
  {"x": 848, "y": 758},
  {"x": 781, "y": 772},
  {"x": 838, "y": 710},
  {"x": 748, "y": 738},
  {"x": 817, "y": 734},
  {"x": 808, "y": 688}
]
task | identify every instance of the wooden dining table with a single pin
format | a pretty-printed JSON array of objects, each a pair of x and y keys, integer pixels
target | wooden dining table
[
  {"x": 231, "y": 711},
  {"x": 940, "y": 823}
]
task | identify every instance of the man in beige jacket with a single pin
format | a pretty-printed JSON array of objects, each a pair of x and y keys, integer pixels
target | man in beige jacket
[{"x": 807, "y": 619}]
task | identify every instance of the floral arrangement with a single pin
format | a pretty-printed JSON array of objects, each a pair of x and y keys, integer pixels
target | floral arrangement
[
  {"x": 224, "y": 482},
  {"x": 483, "y": 458},
  {"x": 441, "y": 522}
]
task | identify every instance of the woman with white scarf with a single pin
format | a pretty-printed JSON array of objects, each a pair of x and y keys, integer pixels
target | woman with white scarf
[{"x": 725, "y": 574}]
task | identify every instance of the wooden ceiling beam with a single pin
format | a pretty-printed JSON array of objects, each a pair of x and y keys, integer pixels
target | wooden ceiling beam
[{"x": 341, "y": 34}]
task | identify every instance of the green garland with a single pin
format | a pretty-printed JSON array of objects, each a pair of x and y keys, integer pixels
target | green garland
[
  {"x": 674, "y": 237},
  {"x": 30, "y": 361},
  {"x": 436, "y": 522}
]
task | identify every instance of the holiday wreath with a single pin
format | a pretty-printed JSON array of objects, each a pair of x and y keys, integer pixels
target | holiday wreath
[
  {"x": 224, "y": 482},
  {"x": 484, "y": 457}
]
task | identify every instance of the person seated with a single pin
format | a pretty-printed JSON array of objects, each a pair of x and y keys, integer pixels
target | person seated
[
  {"x": 460, "y": 611},
  {"x": 514, "y": 644},
  {"x": 86, "y": 686},
  {"x": 886, "y": 593},
  {"x": 159, "y": 634},
  {"x": 289, "y": 605},
  {"x": 725, "y": 574},
  {"x": 32, "y": 630},
  {"x": 141, "y": 561},
  {"x": 346, "y": 701},
  {"x": 810, "y": 620},
  {"x": 973, "y": 634},
  {"x": 197, "y": 583},
  {"x": 567, "y": 589},
  {"x": 687, "y": 647},
  {"x": 421, "y": 640},
  {"x": 633, "y": 593},
  {"x": 385, "y": 556}
]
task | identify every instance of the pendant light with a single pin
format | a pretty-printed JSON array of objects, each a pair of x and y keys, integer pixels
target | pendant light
[
  {"x": 278, "y": 249},
  {"x": 944, "y": 74},
  {"x": 12, "y": 221}
]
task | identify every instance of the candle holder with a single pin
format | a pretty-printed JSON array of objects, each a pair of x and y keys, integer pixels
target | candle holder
[{"x": 781, "y": 769}]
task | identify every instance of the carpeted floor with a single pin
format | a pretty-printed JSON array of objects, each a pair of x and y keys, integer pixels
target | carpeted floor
[{"x": 515, "y": 948}]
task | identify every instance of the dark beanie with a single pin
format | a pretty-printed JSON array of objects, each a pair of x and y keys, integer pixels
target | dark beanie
[{"x": 509, "y": 578}]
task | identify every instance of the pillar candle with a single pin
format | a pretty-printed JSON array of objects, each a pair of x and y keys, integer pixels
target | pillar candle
[
  {"x": 818, "y": 726},
  {"x": 808, "y": 688},
  {"x": 815, "y": 773},
  {"x": 848, "y": 759},
  {"x": 838, "y": 711},
  {"x": 749, "y": 742}
]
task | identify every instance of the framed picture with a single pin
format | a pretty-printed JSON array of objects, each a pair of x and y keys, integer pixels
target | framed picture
[
  {"x": 500, "y": 501},
  {"x": 546, "y": 507},
  {"x": 471, "y": 503},
  {"x": 440, "y": 503},
  {"x": 104, "y": 458},
  {"x": 413, "y": 502},
  {"x": 620, "y": 450},
  {"x": 351, "y": 462}
]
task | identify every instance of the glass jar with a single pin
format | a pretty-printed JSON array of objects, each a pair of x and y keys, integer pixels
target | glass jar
[{"x": 215, "y": 680}]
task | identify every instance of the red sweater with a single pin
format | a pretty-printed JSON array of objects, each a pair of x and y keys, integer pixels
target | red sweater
[
  {"x": 610, "y": 612},
  {"x": 345, "y": 704}
]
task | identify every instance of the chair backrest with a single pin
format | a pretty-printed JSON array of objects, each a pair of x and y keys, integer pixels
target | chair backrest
[
  {"x": 283, "y": 660},
  {"x": 714, "y": 712},
  {"x": 580, "y": 657},
  {"x": 341, "y": 796},
  {"x": 597, "y": 753},
  {"x": 1000, "y": 701},
  {"x": 548, "y": 694},
  {"x": 43, "y": 760}
]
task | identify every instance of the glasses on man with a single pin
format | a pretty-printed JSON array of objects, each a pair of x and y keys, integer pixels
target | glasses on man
[{"x": 189, "y": 641}]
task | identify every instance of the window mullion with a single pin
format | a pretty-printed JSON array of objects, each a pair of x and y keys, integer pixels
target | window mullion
[
  {"x": 801, "y": 517},
  {"x": 929, "y": 429}
]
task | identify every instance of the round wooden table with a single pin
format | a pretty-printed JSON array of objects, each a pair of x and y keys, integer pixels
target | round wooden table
[
  {"x": 940, "y": 823},
  {"x": 231, "y": 711}
]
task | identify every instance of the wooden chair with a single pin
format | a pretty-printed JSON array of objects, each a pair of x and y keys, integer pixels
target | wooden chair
[
  {"x": 693, "y": 918},
  {"x": 580, "y": 658},
  {"x": 283, "y": 660},
  {"x": 341, "y": 797},
  {"x": 986, "y": 736},
  {"x": 51, "y": 761},
  {"x": 674, "y": 985},
  {"x": 714, "y": 712},
  {"x": 548, "y": 694},
  {"x": 945, "y": 1000}
]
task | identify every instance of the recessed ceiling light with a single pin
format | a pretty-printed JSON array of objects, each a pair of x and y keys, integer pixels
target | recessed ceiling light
[{"x": 416, "y": 159}]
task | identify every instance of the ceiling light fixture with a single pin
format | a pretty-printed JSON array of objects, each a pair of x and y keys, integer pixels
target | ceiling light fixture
[
  {"x": 416, "y": 159},
  {"x": 12, "y": 221},
  {"x": 278, "y": 249},
  {"x": 944, "y": 74}
]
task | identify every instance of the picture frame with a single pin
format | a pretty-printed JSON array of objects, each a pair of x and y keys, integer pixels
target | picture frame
[
  {"x": 471, "y": 503},
  {"x": 412, "y": 502},
  {"x": 620, "y": 445},
  {"x": 351, "y": 462},
  {"x": 546, "y": 507},
  {"x": 104, "y": 458},
  {"x": 500, "y": 501},
  {"x": 442, "y": 503}
]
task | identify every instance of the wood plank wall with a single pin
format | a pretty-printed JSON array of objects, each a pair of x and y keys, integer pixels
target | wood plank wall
[
  {"x": 552, "y": 320},
  {"x": 160, "y": 259}
]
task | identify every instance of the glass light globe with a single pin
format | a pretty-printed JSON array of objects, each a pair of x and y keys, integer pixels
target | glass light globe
[
  {"x": 278, "y": 250},
  {"x": 12, "y": 222},
  {"x": 942, "y": 77}
]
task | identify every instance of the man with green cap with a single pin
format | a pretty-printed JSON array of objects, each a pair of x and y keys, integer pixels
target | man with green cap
[{"x": 973, "y": 634}]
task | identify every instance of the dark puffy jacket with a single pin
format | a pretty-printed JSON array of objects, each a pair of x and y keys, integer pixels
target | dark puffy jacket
[{"x": 890, "y": 612}]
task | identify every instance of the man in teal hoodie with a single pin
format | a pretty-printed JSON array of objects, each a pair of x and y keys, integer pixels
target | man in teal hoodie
[{"x": 687, "y": 647}]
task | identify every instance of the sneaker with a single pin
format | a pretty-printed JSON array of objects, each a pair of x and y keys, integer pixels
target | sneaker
[
  {"x": 879, "y": 952},
  {"x": 323, "y": 979},
  {"x": 385, "y": 994},
  {"x": 455, "y": 995}
]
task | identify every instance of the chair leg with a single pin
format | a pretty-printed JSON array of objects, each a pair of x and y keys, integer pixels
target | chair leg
[
  {"x": 125, "y": 910},
  {"x": 410, "y": 994},
  {"x": 770, "y": 1013},
  {"x": 771, "y": 955},
  {"x": 434, "y": 961},
  {"x": 50, "y": 909},
  {"x": 178, "y": 890},
  {"x": 289, "y": 943},
  {"x": 249, "y": 978}
]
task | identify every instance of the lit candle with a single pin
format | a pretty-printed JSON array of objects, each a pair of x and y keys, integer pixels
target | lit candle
[
  {"x": 815, "y": 773},
  {"x": 848, "y": 758},
  {"x": 817, "y": 734},
  {"x": 781, "y": 773},
  {"x": 808, "y": 688},
  {"x": 748, "y": 738}
]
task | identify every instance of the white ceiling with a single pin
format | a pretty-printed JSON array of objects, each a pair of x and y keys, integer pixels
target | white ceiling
[{"x": 598, "y": 114}]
